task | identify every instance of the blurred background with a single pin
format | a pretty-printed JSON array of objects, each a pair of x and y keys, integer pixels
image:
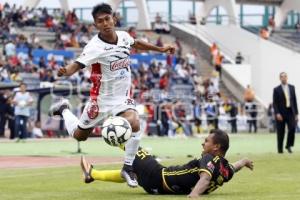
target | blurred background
[{"x": 228, "y": 58}]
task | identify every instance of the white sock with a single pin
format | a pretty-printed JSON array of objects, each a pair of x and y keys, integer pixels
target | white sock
[
  {"x": 71, "y": 121},
  {"x": 131, "y": 147}
]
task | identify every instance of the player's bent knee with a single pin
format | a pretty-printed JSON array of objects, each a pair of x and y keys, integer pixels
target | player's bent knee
[
  {"x": 133, "y": 118},
  {"x": 135, "y": 126},
  {"x": 82, "y": 134}
]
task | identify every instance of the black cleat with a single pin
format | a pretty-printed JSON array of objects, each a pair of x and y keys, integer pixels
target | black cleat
[
  {"x": 57, "y": 108},
  {"x": 86, "y": 170},
  {"x": 130, "y": 177},
  {"x": 289, "y": 149}
]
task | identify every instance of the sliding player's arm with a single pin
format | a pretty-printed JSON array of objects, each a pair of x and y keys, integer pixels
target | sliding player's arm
[
  {"x": 69, "y": 70},
  {"x": 245, "y": 162},
  {"x": 141, "y": 45},
  {"x": 201, "y": 185}
]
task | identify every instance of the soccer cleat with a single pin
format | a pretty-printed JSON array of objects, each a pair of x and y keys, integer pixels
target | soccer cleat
[
  {"x": 130, "y": 177},
  {"x": 86, "y": 170},
  {"x": 57, "y": 108}
]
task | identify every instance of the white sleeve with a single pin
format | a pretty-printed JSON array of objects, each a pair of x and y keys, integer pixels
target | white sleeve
[
  {"x": 88, "y": 56},
  {"x": 130, "y": 39},
  {"x": 30, "y": 99},
  {"x": 16, "y": 97}
]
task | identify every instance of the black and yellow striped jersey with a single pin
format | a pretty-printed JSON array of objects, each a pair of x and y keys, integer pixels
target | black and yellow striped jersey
[{"x": 182, "y": 178}]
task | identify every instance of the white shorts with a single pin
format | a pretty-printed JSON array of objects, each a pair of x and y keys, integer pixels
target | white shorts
[{"x": 94, "y": 114}]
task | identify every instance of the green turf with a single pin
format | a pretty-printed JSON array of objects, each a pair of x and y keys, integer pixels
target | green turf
[{"x": 275, "y": 177}]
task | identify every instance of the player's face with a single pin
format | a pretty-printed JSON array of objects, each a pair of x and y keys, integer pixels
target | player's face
[
  {"x": 105, "y": 23},
  {"x": 209, "y": 146}
]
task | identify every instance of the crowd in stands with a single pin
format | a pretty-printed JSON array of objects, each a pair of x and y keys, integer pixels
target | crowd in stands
[
  {"x": 160, "y": 26},
  {"x": 175, "y": 98}
]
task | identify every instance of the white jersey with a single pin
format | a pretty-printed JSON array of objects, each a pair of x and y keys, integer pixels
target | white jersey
[{"x": 110, "y": 74}]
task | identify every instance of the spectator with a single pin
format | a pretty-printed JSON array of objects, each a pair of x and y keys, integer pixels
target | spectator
[
  {"x": 15, "y": 76},
  {"x": 239, "y": 58},
  {"x": 159, "y": 42},
  {"x": 286, "y": 112},
  {"x": 213, "y": 52},
  {"x": 249, "y": 94},
  {"x": 231, "y": 111},
  {"x": 211, "y": 110},
  {"x": 264, "y": 33},
  {"x": 192, "y": 18},
  {"x": 49, "y": 76},
  {"x": 132, "y": 32},
  {"x": 271, "y": 116},
  {"x": 145, "y": 38},
  {"x": 251, "y": 112},
  {"x": 180, "y": 112},
  {"x": 42, "y": 63},
  {"x": 3, "y": 106},
  {"x": 197, "y": 114},
  {"x": 34, "y": 41},
  {"x": 218, "y": 63},
  {"x": 158, "y": 18},
  {"x": 271, "y": 24},
  {"x": 203, "y": 21},
  {"x": 191, "y": 58},
  {"x": 37, "y": 131},
  {"x": 74, "y": 41},
  {"x": 10, "y": 48},
  {"x": 118, "y": 18},
  {"x": 22, "y": 102},
  {"x": 10, "y": 116},
  {"x": 297, "y": 26},
  {"x": 178, "y": 47}
]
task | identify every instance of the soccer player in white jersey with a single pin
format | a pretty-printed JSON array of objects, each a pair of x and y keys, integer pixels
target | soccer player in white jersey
[{"x": 107, "y": 53}]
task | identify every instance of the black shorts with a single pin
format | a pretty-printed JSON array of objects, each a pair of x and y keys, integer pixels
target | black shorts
[{"x": 149, "y": 172}]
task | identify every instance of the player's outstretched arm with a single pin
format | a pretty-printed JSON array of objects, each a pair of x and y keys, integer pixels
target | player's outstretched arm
[
  {"x": 69, "y": 70},
  {"x": 245, "y": 162},
  {"x": 141, "y": 45},
  {"x": 201, "y": 185}
]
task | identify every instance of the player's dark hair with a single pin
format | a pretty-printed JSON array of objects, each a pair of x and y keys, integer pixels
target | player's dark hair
[
  {"x": 220, "y": 137},
  {"x": 102, "y": 8}
]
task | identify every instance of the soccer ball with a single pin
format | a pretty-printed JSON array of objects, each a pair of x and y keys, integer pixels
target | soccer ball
[{"x": 116, "y": 131}]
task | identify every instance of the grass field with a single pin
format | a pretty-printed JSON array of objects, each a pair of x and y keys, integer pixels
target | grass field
[{"x": 275, "y": 177}]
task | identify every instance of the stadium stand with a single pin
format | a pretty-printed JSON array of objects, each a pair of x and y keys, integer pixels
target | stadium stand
[{"x": 183, "y": 79}]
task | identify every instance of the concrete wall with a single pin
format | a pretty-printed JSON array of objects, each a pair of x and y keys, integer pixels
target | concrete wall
[
  {"x": 267, "y": 59},
  {"x": 188, "y": 36},
  {"x": 202, "y": 44}
]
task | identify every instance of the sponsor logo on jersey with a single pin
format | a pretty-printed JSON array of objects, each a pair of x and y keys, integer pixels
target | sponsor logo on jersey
[
  {"x": 224, "y": 171},
  {"x": 130, "y": 102},
  {"x": 120, "y": 64},
  {"x": 86, "y": 122},
  {"x": 125, "y": 41},
  {"x": 210, "y": 166},
  {"x": 108, "y": 48}
]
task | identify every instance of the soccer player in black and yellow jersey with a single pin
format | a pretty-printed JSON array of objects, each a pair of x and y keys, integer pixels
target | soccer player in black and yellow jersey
[{"x": 199, "y": 176}]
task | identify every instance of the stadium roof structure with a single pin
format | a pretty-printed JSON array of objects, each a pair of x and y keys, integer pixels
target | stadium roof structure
[
  {"x": 285, "y": 6},
  {"x": 261, "y": 2},
  {"x": 255, "y": 2}
]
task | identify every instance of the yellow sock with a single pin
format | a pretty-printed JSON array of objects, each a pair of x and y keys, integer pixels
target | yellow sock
[
  {"x": 107, "y": 175},
  {"x": 122, "y": 146}
]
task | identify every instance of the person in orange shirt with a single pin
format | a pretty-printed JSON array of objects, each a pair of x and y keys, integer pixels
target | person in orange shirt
[
  {"x": 218, "y": 63},
  {"x": 249, "y": 94},
  {"x": 264, "y": 33},
  {"x": 213, "y": 52}
]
